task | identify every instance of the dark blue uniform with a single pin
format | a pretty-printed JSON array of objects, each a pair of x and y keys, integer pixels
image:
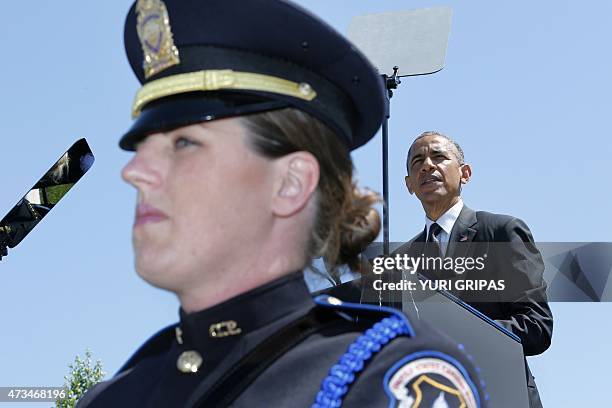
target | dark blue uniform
[{"x": 418, "y": 364}]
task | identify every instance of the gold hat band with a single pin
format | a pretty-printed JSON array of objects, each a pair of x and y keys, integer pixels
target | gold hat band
[{"x": 214, "y": 80}]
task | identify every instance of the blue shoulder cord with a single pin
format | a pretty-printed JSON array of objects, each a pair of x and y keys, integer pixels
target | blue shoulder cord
[{"x": 342, "y": 374}]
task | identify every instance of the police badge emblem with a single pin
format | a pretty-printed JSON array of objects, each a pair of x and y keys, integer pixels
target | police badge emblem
[
  {"x": 155, "y": 34},
  {"x": 432, "y": 380}
]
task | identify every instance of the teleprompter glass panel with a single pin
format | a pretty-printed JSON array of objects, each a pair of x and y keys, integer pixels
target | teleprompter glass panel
[
  {"x": 44, "y": 195},
  {"x": 414, "y": 40}
]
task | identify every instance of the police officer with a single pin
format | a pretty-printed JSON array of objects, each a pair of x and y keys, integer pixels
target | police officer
[{"x": 243, "y": 130}]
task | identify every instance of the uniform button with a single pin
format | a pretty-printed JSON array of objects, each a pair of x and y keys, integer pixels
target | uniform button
[
  {"x": 305, "y": 89},
  {"x": 189, "y": 362},
  {"x": 334, "y": 301}
]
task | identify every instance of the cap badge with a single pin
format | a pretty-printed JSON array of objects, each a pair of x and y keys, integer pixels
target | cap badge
[{"x": 155, "y": 34}]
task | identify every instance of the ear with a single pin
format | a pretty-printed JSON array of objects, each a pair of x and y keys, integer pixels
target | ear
[
  {"x": 466, "y": 173},
  {"x": 297, "y": 180},
  {"x": 408, "y": 181}
]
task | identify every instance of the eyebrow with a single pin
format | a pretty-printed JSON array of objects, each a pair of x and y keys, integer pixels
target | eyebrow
[
  {"x": 417, "y": 156},
  {"x": 435, "y": 150}
]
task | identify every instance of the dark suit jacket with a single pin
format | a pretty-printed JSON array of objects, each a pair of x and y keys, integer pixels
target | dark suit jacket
[{"x": 513, "y": 256}]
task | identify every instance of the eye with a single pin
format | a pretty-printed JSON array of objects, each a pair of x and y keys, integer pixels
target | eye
[{"x": 183, "y": 142}]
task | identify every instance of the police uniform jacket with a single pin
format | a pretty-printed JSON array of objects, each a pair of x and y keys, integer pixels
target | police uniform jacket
[{"x": 292, "y": 375}]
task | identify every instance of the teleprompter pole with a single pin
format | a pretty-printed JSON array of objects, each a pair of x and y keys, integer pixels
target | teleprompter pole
[{"x": 391, "y": 83}]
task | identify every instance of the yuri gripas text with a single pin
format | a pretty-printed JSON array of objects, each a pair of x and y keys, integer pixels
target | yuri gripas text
[
  {"x": 458, "y": 265},
  {"x": 450, "y": 285}
]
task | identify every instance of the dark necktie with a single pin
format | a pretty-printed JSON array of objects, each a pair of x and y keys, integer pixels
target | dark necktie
[
  {"x": 432, "y": 253},
  {"x": 433, "y": 242}
]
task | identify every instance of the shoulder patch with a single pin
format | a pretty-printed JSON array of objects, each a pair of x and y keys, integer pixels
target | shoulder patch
[{"x": 430, "y": 379}]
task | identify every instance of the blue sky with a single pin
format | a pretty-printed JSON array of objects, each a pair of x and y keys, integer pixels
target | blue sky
[{"x": 526, "y": 91}]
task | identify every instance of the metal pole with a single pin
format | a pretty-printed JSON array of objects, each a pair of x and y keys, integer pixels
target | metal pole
[
  {"x": 385, "y": 159},
  {"x": 391, "y": 83}
]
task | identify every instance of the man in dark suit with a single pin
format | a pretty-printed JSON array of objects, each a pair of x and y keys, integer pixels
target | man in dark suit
[{"x": 435, "y": 173}]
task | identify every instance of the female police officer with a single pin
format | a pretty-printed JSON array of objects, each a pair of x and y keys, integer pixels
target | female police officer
[{"x": 243, "y": 128}]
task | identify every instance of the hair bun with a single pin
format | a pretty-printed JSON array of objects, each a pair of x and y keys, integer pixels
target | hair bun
[{"x": 359, "y": 227}]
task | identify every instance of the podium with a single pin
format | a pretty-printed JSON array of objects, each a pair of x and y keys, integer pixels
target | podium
[{"x": 497, "y": 352}]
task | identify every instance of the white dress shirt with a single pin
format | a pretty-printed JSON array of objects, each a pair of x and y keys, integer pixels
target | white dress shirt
[{"x": 446, "y": 221}]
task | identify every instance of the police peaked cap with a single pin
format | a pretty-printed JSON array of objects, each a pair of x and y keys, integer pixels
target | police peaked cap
[{"x": 201, "y": 60}]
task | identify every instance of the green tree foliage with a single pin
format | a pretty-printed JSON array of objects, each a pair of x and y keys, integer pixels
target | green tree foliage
[{"x": 83, "y": 375}]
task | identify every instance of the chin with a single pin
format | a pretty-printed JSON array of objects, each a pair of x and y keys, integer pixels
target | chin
[
  {"x": 152, "y": 269},
  {"x": 431, "y": 196},
  {"x": 165, "y": 272},
  {"x": 158, "y": 279}
]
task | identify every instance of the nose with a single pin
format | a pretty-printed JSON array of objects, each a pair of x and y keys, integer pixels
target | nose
[
  {"x": 427, "y": 165},
  {"x": 145, "y": 169}
]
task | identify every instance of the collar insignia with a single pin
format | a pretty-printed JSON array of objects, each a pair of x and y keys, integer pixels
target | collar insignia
[
  {"x": 224, "y": 329},
  {"x": 155, "y": 34},
  {"x": 178, "y": 332}
]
